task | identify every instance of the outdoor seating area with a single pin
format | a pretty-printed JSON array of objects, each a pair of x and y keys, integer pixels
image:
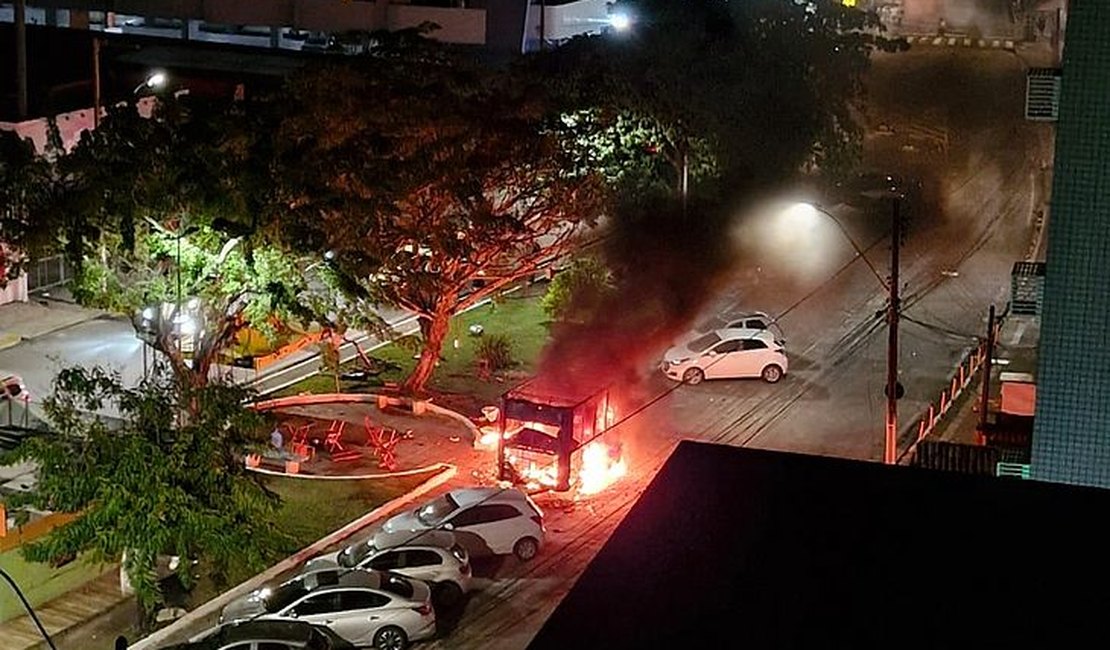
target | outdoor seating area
[{"x": 358, "y": 439}]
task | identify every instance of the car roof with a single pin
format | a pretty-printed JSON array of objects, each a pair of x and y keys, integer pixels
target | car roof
[
  {"x": 255, "y": 630},
  {"x": 766, "y": 336},
  {"x": 749, "y": 314},
  {"x": 343, "y": 577},
  {"x": 466, "y": 497},
  {"x": 440, "y": 539}
]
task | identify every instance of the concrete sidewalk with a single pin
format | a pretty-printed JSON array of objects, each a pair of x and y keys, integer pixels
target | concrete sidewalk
[{"x": 20, "y": 321}]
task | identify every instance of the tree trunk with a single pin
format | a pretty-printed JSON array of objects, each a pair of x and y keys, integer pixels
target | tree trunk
[{"x": 435, "y": 332}]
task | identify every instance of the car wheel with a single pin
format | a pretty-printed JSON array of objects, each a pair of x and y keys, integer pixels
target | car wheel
[
  {"x": 693, "y": 376},
  {"x": 391, "y": 638},
  {"x": 526, "y": 548},
  {"x": 447, "y": 594},
  {"x": 771, "y": 374}
]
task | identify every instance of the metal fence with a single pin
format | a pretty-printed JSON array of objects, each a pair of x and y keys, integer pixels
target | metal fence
[{"x": 47, "y": 273}]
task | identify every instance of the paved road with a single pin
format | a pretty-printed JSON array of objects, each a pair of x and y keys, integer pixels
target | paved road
[
  {"x": 104, "y": 341},
  {"x": 955, "y": 263}
]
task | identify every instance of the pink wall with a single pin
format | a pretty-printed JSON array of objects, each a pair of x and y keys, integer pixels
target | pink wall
[{"x": 70, "y": 126}]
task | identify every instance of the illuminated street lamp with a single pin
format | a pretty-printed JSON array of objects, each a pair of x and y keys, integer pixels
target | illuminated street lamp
[
  {"x": 155, "y": 80},
  {"x": 620, "y": 21},
  {"x": 808, "y": 214},
  {"x": 808, "y": 211}
]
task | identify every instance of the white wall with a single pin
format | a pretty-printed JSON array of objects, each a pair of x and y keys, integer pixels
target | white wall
[{"x": 566, "y": 21}]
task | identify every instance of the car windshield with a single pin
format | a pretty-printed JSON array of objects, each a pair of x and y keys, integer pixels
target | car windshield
[
  {"x": 283, "y": 596},
  {"x": 702, "y": 343},
  {"x": 356, "y": 553},
  {"x": 433, "y": 512},
  {"x": 395, "y": 584}
]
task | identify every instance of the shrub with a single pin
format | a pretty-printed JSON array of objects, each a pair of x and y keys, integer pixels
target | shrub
[
  {"x": 577, "y": 292},
  {"x": 497, "y": 351}
]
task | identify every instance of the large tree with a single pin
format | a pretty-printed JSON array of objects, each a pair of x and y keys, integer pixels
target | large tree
[
  {"x": 173, "y": 210},
  {"x": 158, "y": 482},
  {"x": 434, "y": 183},
  {"x": 739, "y": 94}
]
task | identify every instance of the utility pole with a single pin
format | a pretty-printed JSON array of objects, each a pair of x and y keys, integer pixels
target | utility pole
[
  {"x": 986, "y": 397},
  {"x": 20, "y": 18},
  {"x": 96, "y": 82},
  {"x": 890, "y": 447}
]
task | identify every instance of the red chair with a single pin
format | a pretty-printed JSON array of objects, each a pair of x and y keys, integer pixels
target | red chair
[
  {"x": 297, "y": 435},
  {"x": 383, "y": 442},
  {"x": 335, "y": 433}
]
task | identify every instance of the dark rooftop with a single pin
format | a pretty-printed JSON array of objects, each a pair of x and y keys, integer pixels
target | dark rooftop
[
  {"x": 555, "y": 390},
  {"x": 732, "y": 547}
]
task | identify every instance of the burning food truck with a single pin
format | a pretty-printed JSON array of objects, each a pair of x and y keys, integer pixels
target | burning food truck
[{"x": 550, "y": 436}]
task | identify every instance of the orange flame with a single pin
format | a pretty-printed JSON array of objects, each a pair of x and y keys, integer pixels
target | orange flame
[{"x": 599, "y": 468}]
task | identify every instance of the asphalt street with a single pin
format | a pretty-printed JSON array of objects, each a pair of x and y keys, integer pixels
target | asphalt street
[{"x": 956, "y": 120}]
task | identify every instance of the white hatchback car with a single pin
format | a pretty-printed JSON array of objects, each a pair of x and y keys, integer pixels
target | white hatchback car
[
  {"x": 433, "y": 556},
  {"x": 485, "y": 521},
  {"x": 365, "y": 608},
  {"x": 727, "y": 354}
]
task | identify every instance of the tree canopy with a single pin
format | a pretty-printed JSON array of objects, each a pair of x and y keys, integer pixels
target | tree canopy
[
  {"x": 172, "y": 211},
  {"x": 157, "y": 482},
  {"x": 435, "y": 184},
  {"x": 743, "y": 93}
]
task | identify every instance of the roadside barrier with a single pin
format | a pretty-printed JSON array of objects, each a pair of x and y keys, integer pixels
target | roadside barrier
[{"x": 970, "y": 364}]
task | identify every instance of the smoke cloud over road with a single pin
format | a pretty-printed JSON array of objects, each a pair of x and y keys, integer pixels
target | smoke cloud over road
[{"x": 666, "y": 266}]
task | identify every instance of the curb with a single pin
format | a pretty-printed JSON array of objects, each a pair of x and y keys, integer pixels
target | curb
[
  {"x": 213, "y": 606},
  {"x": 350, "y": 398},
  {"x": 961, "y": 41},
  {"x": 348, "y": 477}
]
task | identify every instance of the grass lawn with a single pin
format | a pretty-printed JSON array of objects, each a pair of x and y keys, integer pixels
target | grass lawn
[
  {"x": 310, "y": 510},
  {"x": 518, "y": 316},
  {"x": 314, "y": 508}
]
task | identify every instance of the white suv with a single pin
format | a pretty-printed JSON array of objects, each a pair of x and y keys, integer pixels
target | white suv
[
  {"x": 485, "y": 521},
  {"x": 432, "y": 556},
  {"x": 727, "y": 354}
]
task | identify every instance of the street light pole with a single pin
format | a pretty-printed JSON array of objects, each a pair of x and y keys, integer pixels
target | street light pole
[
  {"x": 890, "y": 437},
  {"x": 890, "y": 445}
]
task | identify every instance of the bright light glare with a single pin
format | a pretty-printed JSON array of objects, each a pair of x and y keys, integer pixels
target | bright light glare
[
  {"x": 800, "y": 215},
  {"x": 148, "y": 313},
  {"x": 156, "y": 80},
  {"x": 620, "y": 21},
  {"x": 186, "y": 325}
]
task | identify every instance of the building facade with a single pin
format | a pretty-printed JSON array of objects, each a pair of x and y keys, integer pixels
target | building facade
[
  {"x": 500, "y": 25},
  {"x": 1071, "y": 435}
]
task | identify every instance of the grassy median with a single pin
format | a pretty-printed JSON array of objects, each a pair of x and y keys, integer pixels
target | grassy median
[{"x": 518, "y": 316}]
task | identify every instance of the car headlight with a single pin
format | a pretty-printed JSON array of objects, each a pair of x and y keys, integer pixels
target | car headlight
[{"x": 678, "y": 362}]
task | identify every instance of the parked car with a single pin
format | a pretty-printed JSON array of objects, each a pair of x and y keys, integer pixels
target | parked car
[
  {"x": 433, "y": 556},
  {"x": 865, "y": 188},
  {"x": 753, "y": 320},
  {"x": 366, "y": 608},
  {"x": 727, "y": 354},
  {"x": 485, "y": 521},
  {"x": 265, "y": 634}
]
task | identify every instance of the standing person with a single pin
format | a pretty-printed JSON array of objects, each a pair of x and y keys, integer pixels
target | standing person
[{"x": 277, "y": 441}]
